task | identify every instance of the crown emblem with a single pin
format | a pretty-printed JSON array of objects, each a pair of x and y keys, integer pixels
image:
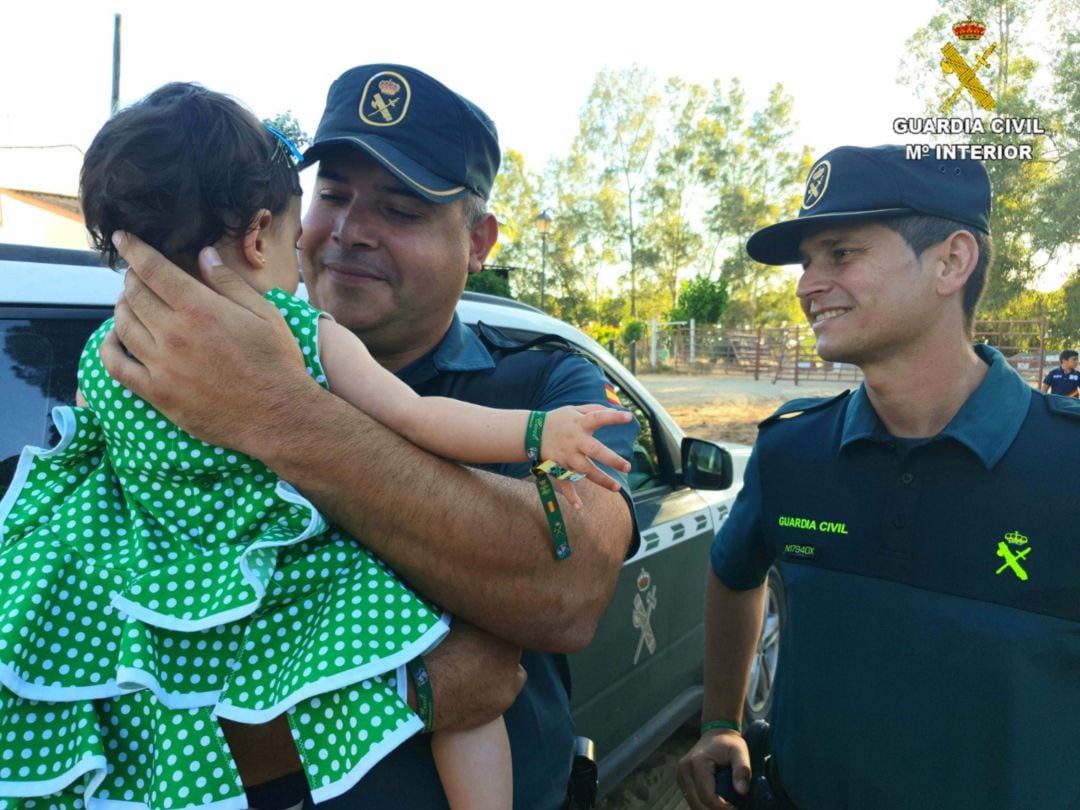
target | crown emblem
[
  {"x": 391, "y": 88},
  {"x": 1016, "y": 539},
  {"x": 969, "y": 29},
  {"x": 643, "y": 580}
]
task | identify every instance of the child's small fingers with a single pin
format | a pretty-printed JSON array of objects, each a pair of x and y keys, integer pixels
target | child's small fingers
[
  {"x": 605, "y": 416},
  {"x": 602, "y": 479},
  {"x": 568, "y": 491},
  {"x": 605, "y": 455}
]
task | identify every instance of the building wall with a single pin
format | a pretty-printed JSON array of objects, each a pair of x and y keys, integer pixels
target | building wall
[{"x": 28, "y": 224}]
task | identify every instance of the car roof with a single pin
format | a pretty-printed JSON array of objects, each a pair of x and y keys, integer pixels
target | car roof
[
  {"x": 78, "y": 278},
  {"x": 32, "y": 276}
]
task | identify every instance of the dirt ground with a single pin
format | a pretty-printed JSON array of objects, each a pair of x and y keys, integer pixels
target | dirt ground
[{"x": 728, "y": 409}]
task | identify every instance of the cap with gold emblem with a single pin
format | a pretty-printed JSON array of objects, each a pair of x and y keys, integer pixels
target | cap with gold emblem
[
  {"x": 859, "y": 183},
  {"x": 439, "y": 143}
]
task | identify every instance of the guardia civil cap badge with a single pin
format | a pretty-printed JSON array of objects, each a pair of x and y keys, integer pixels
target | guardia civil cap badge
[
  {"x": 816, "y": 183},
  {"x": 385, "y": 99}
]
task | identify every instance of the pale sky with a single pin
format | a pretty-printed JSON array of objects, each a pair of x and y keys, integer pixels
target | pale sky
[{"x": 530, "y": 66}]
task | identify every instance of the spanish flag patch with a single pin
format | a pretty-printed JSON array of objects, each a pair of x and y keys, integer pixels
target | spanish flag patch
[{"x": 612, "y": 397}]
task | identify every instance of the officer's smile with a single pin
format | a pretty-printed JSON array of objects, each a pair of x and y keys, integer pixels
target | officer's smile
[{"x": 826, "y": 315}]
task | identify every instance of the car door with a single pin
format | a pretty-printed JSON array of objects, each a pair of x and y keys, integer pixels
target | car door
[
  {"x": 39, "y": 356},
  {"x": 641, "y": 676}
]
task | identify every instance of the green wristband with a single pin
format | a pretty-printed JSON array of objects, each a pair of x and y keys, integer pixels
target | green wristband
[
  {"x": 726, "y": 725},
  {"x": 534, "y": 430},
  {"x": 425, "y": 700}
]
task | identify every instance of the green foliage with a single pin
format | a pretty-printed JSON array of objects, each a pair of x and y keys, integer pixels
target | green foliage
[
  {"x": 615, "y": 148},
  {"x": 702, "y": 300},
  {"x": 633, "y": 330},
  {"x": 604, "y": 334},
  {"x": 670, "y": 241},
  {"x": 1035, "y": 219},
  {"x": 287, "y": 125},
  {"x": 487, "y": 281},
  {"x": 1064, "y": 315},
  {"x": 754, "y": 178}
]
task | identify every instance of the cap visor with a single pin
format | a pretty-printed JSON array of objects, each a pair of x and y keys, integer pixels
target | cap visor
[
  {"x": 779, "y": 243},
  {"x": 410, "y": 172}
]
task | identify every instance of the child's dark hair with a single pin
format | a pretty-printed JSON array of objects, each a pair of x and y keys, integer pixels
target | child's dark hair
[{"x": 181, "y": 169}]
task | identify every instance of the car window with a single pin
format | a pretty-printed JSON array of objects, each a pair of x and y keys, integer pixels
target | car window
[
  {"x": 645, "y": 469},
  {"x": 38, "y": 362}
]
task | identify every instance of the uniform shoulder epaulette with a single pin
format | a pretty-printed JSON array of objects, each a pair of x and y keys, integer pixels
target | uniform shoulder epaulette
[
  {"x": 496, "y": 339},
  {"x": 1068, "y": 407},
  {"x": 795, "y": 408}
]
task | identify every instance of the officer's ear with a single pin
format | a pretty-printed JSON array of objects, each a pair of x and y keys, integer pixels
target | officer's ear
[
  {"x": 954, "y": 259},
  {"x": 482, "y": 238}
]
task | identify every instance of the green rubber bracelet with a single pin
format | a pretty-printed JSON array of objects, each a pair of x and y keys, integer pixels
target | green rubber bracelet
[
  {"x": 560, "y": 541},
  {"x": 425, "y": 699},
  {"x": 726, "y": 725}
]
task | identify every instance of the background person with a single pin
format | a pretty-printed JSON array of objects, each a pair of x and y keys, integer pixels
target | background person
[
  {"x": 933, "y": 624},
  {"x": 397, "y": 222},
  {"x": 1065, "y": 379}
]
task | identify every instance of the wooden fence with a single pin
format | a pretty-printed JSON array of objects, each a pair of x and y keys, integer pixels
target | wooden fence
[{"x": 788, "y": 353}]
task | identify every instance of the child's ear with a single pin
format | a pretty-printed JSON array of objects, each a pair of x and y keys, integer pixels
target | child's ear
[{"x": 254, "y": 245}]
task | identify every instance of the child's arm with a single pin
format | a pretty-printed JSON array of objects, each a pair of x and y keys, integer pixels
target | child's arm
[
  {"x": 460, "y": 430},
  {"x": 474, "y": 767}
]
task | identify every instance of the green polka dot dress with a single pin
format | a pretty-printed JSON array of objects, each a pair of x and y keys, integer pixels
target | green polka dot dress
[{"x": 151, "y": 583}]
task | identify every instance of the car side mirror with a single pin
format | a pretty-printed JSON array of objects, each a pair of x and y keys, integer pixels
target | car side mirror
[{"x": 706, "y": 465}]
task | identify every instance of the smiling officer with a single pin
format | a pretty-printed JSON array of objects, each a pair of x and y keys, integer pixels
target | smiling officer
[{"x": 931, "y": 651}]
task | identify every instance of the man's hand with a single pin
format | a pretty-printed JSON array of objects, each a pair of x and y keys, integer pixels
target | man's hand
[
  {"x": 697, "y": 770},
  {"x": 475, "y": 677},
  {"x": 215, "y": 358}
]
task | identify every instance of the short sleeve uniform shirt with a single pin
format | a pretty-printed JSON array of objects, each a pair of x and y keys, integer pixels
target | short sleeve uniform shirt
[{"x": 932, "y": 646}]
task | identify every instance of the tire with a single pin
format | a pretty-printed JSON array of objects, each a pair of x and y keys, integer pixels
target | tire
[{"x": 759, "y": 695}]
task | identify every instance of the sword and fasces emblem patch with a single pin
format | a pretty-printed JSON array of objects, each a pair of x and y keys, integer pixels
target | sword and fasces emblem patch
[
  {"x": 385, "y": 99},
  {"x": 1013, "y": 559}
]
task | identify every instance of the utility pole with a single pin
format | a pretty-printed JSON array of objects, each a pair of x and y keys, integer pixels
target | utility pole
[{"x": 115, "y": 65}]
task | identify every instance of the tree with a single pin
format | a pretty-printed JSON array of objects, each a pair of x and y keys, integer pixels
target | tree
[
  {"x": 578, "y": 245},
  {"x": 515, "y": 202},
  {"x": 670, "y": 243},
  {"x": 488, "y": 281},
  {"x": 702, "y": 300},
  {"x": 754, "y": 178},
  {"x": 615, "y": 141},
  {"x": 287, "y": 125},
  {"x": 1034, "y": 219}
]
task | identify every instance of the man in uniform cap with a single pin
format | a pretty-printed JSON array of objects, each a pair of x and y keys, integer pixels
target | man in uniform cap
[
  {"x": 932, "y": 640},
  {"x": 398, "y": 221}
]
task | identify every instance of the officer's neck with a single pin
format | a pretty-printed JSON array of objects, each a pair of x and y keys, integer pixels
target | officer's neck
[{"x": 918, "y": 394}]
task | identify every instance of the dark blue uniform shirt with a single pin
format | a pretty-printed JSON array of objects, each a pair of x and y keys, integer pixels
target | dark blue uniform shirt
[
  {"x": 1062, "y": 382},
  {"x": 539, "y": 723},
  {"x": 931, "y": 656}
]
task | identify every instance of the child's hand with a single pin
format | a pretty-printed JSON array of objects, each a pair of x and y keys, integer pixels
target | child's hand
[{"x": 568, "y": 441}]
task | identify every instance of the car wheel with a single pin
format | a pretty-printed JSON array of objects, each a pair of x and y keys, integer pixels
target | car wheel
[{"x": 759, "y": 697}]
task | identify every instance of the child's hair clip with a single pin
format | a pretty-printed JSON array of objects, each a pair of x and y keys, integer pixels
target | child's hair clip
[{"x": 284, "y": 148}]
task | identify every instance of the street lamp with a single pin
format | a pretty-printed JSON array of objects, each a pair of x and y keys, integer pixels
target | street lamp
[{"x": 543, "y": 224}]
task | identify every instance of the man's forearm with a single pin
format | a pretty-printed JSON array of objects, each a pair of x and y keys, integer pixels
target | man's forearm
[
  {"x": 474, "y": 542},
  {"x": 732, "y": 627}
]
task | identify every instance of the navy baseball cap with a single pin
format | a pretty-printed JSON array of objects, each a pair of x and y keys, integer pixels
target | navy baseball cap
[
  {"x": 439, "y": 143},
  {"x": 857, "y": 183}
]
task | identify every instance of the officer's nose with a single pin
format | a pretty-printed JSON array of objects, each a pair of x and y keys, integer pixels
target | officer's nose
[
  {"x": 811, "y": 282},
  {"x": 356, "y": 227}
]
